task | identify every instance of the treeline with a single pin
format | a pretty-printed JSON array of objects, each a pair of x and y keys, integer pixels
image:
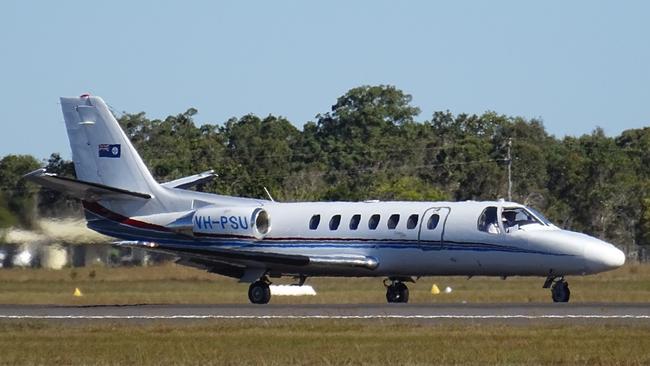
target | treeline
[{"x": 370, "y": 146}]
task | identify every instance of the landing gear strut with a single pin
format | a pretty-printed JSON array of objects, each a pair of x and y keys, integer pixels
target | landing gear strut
[
  {"x": 396, "y": 292},
  {"x": 559, "y": 289},
  {"x": 259, "y": 291}
]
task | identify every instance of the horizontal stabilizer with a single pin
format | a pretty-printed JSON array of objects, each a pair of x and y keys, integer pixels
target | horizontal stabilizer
[
  {"x": 86, "y": 191},
  {"x": 191, "y": 181}
]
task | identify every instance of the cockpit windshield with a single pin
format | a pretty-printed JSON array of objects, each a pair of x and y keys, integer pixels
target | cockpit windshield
[
  {"x": 539, "y": 216},
  {"x": 509, "y": 219},
  {"x": 517, "y": 217}
]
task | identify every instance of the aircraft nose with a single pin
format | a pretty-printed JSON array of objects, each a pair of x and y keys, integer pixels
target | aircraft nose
[{"x": 601, "y": 256}]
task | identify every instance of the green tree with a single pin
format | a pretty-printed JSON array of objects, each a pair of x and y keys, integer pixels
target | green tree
[
  {"x": 7, "y": 218},
  {"x": 54, "y": 203},
  {"x": 358, "y": 134},
  {"x": 407, "y": 188},
  {"x": 18, "y": 195},
  {"x": 262, "y": 151}
]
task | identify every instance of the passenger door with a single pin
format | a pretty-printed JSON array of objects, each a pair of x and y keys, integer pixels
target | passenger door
[{"x": 432, "y": 227}]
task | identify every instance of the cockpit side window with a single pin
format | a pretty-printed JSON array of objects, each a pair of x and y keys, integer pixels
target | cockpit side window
[{"x": 487, "y": 222}]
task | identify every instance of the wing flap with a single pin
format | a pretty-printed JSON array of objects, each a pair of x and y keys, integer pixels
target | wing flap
[
  {"x": 86, "y": 191},
  {"x": 230, "y": 256},
  {"x": 238, "y": 258}
]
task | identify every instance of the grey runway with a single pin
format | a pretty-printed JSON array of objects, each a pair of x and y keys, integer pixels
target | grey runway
[{"x": 573, "y": 313}]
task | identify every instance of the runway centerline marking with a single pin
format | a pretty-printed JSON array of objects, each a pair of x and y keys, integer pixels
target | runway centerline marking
[{"x": 334, "y": 317}]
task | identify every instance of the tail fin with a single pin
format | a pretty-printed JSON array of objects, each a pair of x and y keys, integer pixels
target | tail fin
[{"x": 101, "y": 152}]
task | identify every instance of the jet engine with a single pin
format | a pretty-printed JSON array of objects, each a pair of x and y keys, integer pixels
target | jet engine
[{"x": 231, "y": 221}]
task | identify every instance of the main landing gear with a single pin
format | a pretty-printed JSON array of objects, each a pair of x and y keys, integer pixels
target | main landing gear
[
  {"x": 259, "y": 291},
  {"x": 559, "y": 289},
  {"x": 396, "y": 291}
]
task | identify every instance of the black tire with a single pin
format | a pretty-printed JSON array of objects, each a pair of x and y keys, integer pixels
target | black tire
[
  {"x": 403, "y": 292},
  {"x": 259, "y": 293},
  {"x": 391, "y": 294},
  {"x": 560, "y": 292},
  {"x": 397, "y": 293}
]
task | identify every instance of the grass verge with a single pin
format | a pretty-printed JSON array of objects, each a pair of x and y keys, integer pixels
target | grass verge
[
  {"x": 177, "y": 284},
  {"x": 322, "y": 343}
]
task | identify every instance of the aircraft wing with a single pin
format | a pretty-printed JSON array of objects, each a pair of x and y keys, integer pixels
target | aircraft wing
[
  {"x": 234, "y": 262},
  {"x": 86, "y": 191}
]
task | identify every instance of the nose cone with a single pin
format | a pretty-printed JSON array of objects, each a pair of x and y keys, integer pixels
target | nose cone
[{"x": 601, "y": 256}]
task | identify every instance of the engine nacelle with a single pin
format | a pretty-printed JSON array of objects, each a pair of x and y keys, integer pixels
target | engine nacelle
[{"x": 232, "y": 221}]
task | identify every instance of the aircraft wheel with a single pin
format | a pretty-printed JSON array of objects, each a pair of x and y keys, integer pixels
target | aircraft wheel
[
  {"x": 259, "y": 292},
  {"x": 560, "y": 291},
  {"x": 397, "y": 292}
]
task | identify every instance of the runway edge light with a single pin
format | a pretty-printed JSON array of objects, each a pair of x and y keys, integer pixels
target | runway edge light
[
  {"x": 435, "y": 290},
  {"x": 77, "y": 292}
]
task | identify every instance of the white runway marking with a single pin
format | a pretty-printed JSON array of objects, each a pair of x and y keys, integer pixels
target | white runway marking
[{"x": 334, "y": 317}]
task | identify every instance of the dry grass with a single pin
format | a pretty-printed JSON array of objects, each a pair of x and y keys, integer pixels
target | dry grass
[
  {"x": 321, "y": 343},
  {"x": 178, "y": 284},
  {"x": 314, "y": 342}
]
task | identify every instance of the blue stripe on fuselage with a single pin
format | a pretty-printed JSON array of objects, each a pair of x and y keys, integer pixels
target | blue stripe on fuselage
[{"x": 126, "y": 232}]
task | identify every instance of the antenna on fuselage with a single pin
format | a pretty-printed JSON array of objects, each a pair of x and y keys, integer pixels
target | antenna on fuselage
[
  {"x": 509, "y": 158},
  {"x": 268, "y": 194}
]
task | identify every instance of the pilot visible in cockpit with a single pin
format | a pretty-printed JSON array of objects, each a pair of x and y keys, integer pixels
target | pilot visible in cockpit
[
  {"x": 509, "y": 219},
  {"x": 492, "y": 226}
]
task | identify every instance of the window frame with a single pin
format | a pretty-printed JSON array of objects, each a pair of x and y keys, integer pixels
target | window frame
[
  {"x": 483, "y": 226},
  {"x": 393, "y": 221},
  {"x": 356, "y": 219},
  {"x": 430, "y": 220},
  {"x": 374, "y": 226},
  {"x": 410, "y": 220},
  {"x": 314, "y": 222},
  {"x": 335, "y": 219}
]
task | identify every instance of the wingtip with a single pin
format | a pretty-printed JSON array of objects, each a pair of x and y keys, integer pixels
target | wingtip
[{"x": 36, "y": 173}]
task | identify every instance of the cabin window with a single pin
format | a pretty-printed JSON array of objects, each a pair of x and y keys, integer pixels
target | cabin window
[
  {"x": 313, "y": 223},
  {"x": 393, "y": 220},
  {"x": 334, "y": 222},
  {"x": 373, "y": 222},
  {"x": 412, "y": 222},
  {"x": 354, "y": 221},
  {"x": 487, "y": 222},
  {"x": 433, "y": 221}
]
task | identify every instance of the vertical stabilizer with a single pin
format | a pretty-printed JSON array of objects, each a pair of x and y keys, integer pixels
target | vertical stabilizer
[{"x": 101, "y": 151}]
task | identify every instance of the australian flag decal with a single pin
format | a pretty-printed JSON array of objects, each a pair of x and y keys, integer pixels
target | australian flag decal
[{"x": 110, "y": 150}]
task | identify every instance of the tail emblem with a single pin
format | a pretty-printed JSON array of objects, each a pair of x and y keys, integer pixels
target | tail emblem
[{"x": 110, "y": 150}]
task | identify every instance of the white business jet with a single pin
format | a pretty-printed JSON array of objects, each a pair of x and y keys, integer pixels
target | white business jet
[{"x": 254, "y": 240}]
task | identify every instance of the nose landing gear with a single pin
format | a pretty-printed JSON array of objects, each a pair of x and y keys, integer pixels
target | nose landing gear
[
  {"x": 396, "y": 291},
  {"x": 559, "y": 289}
]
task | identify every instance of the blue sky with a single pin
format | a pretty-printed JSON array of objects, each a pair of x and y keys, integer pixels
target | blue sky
[{"x": 574, "y": 64}]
